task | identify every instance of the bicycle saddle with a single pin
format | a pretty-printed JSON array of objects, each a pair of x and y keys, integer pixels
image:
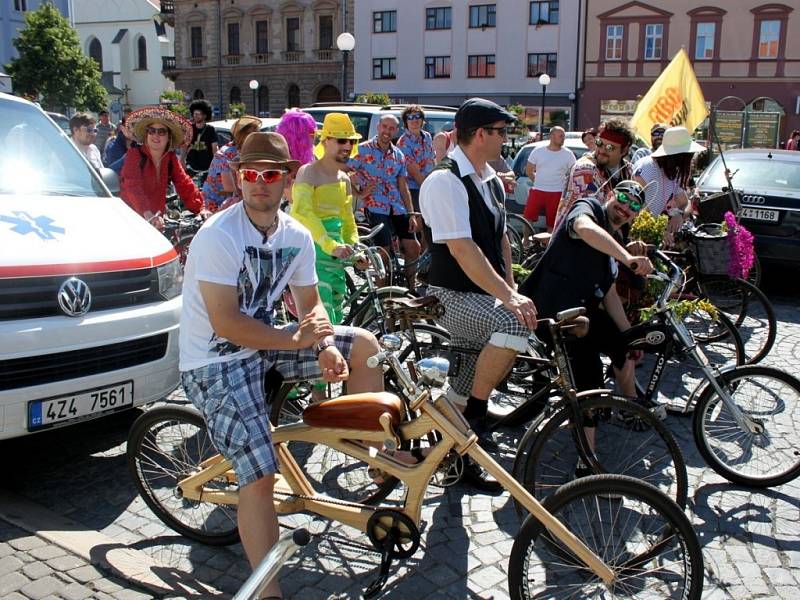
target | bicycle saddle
[{"x": 355, "y": 411}]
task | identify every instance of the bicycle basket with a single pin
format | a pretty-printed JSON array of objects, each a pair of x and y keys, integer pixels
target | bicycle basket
[
  {"x": 712, "y": 208},
  {"x": 711, "y": 251}
]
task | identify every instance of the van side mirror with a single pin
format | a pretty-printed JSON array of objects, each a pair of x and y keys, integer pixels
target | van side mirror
[{"x": 110, "y": 178}]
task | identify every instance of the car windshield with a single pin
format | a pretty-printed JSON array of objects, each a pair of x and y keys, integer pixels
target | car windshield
[
  {"x": 360, "y": 120},
  {"x": 752, "y": 174},
  {"x": 37, "y": 158}
]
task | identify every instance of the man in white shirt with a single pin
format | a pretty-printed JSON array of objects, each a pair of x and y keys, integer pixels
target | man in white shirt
[
  {"x": 462, "y": 204},
  {"x": 548, "y": 168},
  {"x": 239, "y": 263},
  {"x": 84, "y": 133}
]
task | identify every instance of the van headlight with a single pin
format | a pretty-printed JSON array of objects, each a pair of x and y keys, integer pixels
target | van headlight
[{"x": 170, "y": 279}]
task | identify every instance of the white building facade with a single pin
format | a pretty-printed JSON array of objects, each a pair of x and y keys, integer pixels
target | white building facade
[
  {"x": 443, "y": 51},
  {"x": 128, "y": 39}
]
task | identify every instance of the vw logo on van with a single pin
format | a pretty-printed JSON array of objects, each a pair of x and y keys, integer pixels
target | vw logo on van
[
  {"x": 74, "y": 297},
  {"x": 753, "y": 199}
]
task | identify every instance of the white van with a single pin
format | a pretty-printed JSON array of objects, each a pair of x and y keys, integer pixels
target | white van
[{"x": 89, "y": 291}]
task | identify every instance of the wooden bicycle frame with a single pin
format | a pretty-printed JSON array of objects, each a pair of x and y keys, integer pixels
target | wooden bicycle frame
[{"x": 441, "y": 416}]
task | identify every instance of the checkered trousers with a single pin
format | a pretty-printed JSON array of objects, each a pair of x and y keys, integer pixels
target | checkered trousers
[
  {"x": 471, "y": 320},
  {"x": 231, "y": 397}
]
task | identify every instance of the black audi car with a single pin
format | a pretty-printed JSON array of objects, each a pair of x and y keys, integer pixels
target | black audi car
[{"x": 769, "y": 182}]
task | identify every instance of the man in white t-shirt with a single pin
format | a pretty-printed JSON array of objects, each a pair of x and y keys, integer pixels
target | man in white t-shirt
[
  {"x": 239, "y": 263},
  {"x": 548, "y": 168}
]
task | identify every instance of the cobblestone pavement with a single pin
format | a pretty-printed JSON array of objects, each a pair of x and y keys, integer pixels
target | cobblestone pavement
[{"x": 751, "y": 540}]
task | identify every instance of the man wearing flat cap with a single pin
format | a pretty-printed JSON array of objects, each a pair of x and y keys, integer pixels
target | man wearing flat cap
[
  {"x": 239, "y": 263},
  {"x": 462, "y": 206}
]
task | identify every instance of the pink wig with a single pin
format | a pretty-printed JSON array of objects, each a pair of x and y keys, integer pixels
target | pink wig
[{"x": 297, "y": 126}]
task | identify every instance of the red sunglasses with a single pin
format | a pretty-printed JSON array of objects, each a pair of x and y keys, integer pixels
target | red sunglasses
[{"x": 267, "y": 175}]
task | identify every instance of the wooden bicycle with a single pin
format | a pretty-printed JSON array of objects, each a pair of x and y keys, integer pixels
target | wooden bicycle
[{"x": 602, "y": 535}]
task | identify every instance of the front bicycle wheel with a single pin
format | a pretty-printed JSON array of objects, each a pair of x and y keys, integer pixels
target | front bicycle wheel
[
  {"x": 165, "y": 445},
  {"x": 641, "y": 535},
  {"x": 765, "y": 450},
  {"x": 629, "y": 440}
]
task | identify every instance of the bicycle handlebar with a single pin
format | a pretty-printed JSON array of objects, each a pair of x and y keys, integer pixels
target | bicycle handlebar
[{"x": 372, "y": 233}]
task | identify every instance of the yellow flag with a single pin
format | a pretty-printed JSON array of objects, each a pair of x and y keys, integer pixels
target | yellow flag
[{"x": 675, "y": 98}]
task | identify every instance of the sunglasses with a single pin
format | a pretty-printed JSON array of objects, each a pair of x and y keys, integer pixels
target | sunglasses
[
  {"x": 343, "y": 141},
  {"x": 159, "y": 131},
  {"x": 501, "y": 131},
  {"x": 414, "y": 117},
  {"x": 90, "y": 129},
  {"x": 267, "y": 175},
  {"x": 623, "y": 198},
  {"x": 608, "y": 147}
]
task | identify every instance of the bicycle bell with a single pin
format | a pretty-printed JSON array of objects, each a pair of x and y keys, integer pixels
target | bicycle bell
[
  {"x": 391, "y": 343},
  {"x": 433, "y": 370}
]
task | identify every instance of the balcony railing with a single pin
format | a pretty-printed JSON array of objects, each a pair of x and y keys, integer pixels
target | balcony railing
[
  {"x": 261, "y": 59},
  {"x": 293, "y": 56},
  {"x": 233, "y": 59},
  {"x": 326, "y": 53},
  {"x": 168, "y": 63},
  {"x": 167, "y": 7},
  {"x": 197, "y": 61}
]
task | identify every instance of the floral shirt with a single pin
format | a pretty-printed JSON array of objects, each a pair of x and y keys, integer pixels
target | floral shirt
[
  {"x": 418, "y": 149},
  {"x": 212, "y": 188},
  {"x": 585, "y": 180},
  {"x": 380, "y": 170}
]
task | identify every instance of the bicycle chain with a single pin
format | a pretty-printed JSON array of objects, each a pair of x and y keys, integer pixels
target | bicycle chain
[{"x": 325, "y": 500}]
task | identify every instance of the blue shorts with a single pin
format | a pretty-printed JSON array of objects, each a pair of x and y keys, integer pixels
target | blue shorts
[{"x": 230, "y": 395}]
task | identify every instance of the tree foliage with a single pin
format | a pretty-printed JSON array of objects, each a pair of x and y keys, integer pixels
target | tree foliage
[
  {"x": 174, "y": 99},
  {"x": 52, "y": 65},
  {"x": 381, "y": 98}
]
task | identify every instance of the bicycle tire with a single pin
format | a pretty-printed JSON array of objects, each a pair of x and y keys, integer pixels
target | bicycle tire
[
  {"x": 722, "y": 350},
  {"x": 651, "y": 454},
  {"x": 517, "y": 246},
  {"x": 749, "y": 309},
  {"x": 524, "y": 231},
  {"x": 633, "y": 527},
  {"x": 165, "y": 445},
  {"x": 714, "y": 426}
]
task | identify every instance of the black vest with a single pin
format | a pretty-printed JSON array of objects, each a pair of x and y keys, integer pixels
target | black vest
[{"x": 445, "y": 271}]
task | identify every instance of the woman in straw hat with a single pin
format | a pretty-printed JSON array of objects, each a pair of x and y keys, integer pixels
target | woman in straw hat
[
  {"x": 665, "y": 174},
  {"x": 150, "y": 167},
  {"x": 219, "y": 189}
]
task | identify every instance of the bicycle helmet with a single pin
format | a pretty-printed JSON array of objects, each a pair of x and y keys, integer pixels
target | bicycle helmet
[{"x": 631, "y": 193}]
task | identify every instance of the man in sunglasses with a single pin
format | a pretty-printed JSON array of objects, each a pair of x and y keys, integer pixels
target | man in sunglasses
[
  {"x": 596, "y": 173},
  {"x": 579, "y": 268},
  {"x": 84, "y": 134},
  {"x": 239, "y": 263}
]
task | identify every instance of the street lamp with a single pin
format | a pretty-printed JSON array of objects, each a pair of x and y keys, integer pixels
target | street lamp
[
  {"x": 544, "y": 81},
  {"x": 345, "y": 43},
  {"x": 254, "y": 87}
]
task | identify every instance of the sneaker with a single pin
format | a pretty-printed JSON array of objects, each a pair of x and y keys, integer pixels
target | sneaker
[{"x": 481, "y": 429}]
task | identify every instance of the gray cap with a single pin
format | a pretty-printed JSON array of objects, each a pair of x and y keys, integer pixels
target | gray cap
[{"x": 477, "y": 112}]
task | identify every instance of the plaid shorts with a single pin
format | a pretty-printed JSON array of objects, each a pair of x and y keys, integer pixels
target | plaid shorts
[
  {"x": 231, "y": 397},
  {"x": 471, "y": 320}
]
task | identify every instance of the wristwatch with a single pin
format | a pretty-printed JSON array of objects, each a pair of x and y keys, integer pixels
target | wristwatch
[{"x": 320, "y": 346}]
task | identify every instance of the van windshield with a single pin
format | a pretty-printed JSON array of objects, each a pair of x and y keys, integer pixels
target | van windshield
[{"x": 37, "y": 158}]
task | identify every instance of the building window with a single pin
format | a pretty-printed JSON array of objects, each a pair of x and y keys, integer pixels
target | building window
[
  {"x": 437, "y": 67},
  {"x": 262, "y": 37},
  {"x": 704, "y": 43},
  {"x": 325, "y": 32},
  {"x": 542, "y": 63},
  {"x": 653, "y": 41},
  {"x": 544, "y": 13},
  {"x": 384, "y": 68},
  {"x": 768, "y": 39},
  {"x": 614, "y": 42},
  {"x": 196, "y": 37},
  {"x": 482, "y": 15},
  {"x": 438, "y": 18},
  {"x": 293, "y": 34},
  {"x": 263, "y": 101},
  {"x": 293, "y": 96},
  {"x": 141, "y": 53},
  {"x": 96, "y": 53},
  {"x": 236, "y": 95},
  {"x": 233, "y": 39},
  {"x": 384, "y": 21},
  {"x": 480, "y": 65},
  {"x": 20, "y": 5}
]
